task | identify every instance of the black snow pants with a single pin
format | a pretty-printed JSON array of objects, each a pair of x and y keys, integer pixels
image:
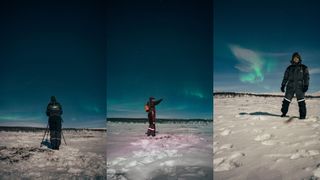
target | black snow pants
[
  {"x": 152, "y": 124},
  {"x": 298, "y": 91},
  {"x": 55, "y": 131}
]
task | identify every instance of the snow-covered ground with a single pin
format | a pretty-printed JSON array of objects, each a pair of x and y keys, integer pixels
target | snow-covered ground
[
  {"x": 251, "y": 140},
  {"x": 178, "y": 151},
  {"x": 83, "y": 156}
]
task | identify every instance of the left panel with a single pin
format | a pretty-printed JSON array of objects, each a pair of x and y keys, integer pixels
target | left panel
[{"x": 51, "y": 48}]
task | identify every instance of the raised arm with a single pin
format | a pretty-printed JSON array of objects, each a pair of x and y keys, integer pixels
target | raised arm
[{"x": 157, "y": 102}]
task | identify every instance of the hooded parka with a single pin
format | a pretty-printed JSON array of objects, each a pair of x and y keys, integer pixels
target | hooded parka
[
  {"x": 152, "y": 115},
  {"x": 54, "y": 112},
  {"x": 296, "y": 81}
]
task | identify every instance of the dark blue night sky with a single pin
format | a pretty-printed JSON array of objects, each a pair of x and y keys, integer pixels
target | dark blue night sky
[
  {"x": 53, "y": 48},
  {"x": 254, "y": 41},
  {"x": 160, "y": 48}
]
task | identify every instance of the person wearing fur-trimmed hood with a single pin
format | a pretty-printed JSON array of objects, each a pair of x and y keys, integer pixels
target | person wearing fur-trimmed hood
[{"x": 295, "y": 82}]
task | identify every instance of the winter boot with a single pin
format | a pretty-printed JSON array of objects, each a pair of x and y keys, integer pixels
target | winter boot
[
  {"x": 302, "y": 109},
  {"x": 149, "y": 132},
  {"x": 153, "y": 132},
  {"x": 58, "y": 144},
  {"x": 53, "y": 144},
  {"x": 285, "y": 107}
]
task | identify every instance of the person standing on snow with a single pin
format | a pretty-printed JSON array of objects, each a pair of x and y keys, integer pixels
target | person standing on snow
[
  {"x": 54, "y": 112},
  {"x": 296, "y": 81},
  {"x": 150, "y": 107}
]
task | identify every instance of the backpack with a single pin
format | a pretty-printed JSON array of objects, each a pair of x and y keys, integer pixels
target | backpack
[{"x": 146, "y": 107}]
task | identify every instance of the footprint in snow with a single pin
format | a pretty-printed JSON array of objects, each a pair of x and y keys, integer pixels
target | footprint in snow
[
  {"x": 226, "y": 146},
  {"x": 263, "y": 137},
  {"x": 228, "y": 162},
  {"x": 225, "y": 132},
  {"x": 304, "y": 153},
  {"x": 269, "y": 142}
]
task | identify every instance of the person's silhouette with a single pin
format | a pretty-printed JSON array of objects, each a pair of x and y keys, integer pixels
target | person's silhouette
[
  {"x": 54, "y": 112},
  {"x": 151, "y": 109}
]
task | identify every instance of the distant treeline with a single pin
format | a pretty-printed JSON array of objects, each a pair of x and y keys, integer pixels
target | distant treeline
[
  {"x": 37, "y": 129},
  {"x": 234, "y": 94},
  {"x": 145, "y": 120}
]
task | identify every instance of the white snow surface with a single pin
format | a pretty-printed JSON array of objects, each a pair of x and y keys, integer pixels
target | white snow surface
[
  {"x": 178, "y": 151},
  {"x": 252, "y": 141},
  {"x": 82, "y": 158}
]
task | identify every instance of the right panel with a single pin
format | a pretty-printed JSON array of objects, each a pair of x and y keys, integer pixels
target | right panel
[{"x": 266, "y": 83}]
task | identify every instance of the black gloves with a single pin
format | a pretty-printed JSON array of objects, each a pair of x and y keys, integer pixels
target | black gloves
[
  {"x": 282, "y": 88},
  {"x": 305, "y": 88}
]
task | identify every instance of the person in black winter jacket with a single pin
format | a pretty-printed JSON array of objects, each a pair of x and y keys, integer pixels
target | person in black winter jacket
[
  {"x": 151, "y": 109},
  {"x": 54, "y": 112},
  {"x": 295, "y": 81}
]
